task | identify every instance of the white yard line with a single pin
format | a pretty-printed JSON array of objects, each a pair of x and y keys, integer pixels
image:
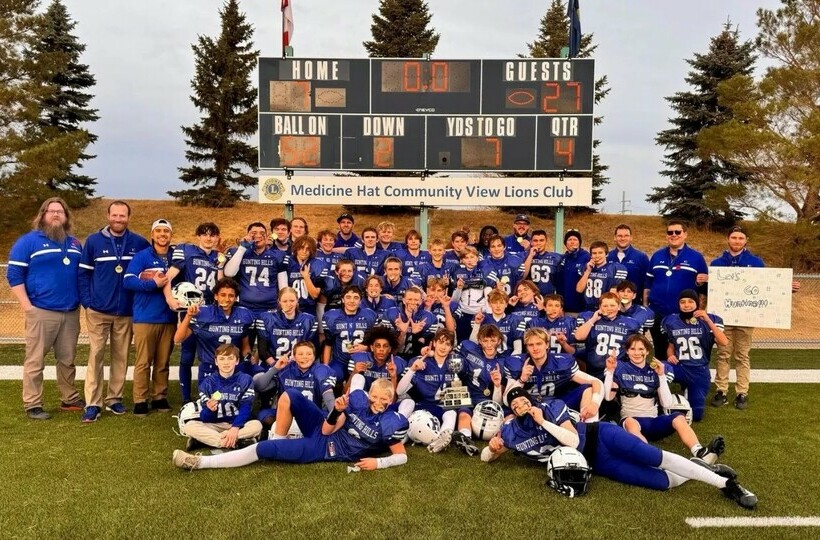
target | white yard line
[
  {"x": 15, "y": 373},
  {"x": 772, "y": 521}
]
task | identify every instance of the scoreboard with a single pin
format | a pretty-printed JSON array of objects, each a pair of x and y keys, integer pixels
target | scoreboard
[{"x": 522, "y": 115}]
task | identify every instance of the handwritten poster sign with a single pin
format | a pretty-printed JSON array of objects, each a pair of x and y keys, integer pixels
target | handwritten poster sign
[{"x": 756, "y": 297}]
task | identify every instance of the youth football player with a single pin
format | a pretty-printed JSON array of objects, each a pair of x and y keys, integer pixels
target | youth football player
[
  {"x": 599, "y": 275},
  {"x": 256, "y": 268},
  {"x": 511, "y": 326},
  {"x": 379, "y": 361},
  {"x": 470, "y": 292},
  {"x": 500, "y": 269},
  {"x": 414, "y": 324},
  {"x": 627, "y": 292},
  {"x": 603, "y": 331},
  {"x": 305, "y": 273},
  {"x": 413, "y": 257},
  {"x": 368, "y": 258},
  {"x": 344, "y": 331},
  {"x": 560, "y": 327},
  {"x": 543, "y": 263}
]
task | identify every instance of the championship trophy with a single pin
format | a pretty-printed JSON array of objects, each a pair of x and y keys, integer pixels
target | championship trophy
[{"x": 455, "y": 395}]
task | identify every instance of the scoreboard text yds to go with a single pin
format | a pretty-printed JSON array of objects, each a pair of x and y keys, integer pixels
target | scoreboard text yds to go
[{"x": 374, "y": 114}]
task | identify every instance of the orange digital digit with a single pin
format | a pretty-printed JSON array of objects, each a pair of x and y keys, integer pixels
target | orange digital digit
[
  {"x": 577, "y": 87},
  {"x": 548, "y": 100},
  {"x": 564, "y": 152},
  {"x": 383, "y": 152},
  {"x": 412, "y": 83},
  {"x": 440, "y": 77},
  {"x": 496, "y": 142},
  {"x": 296, "y": 151}
]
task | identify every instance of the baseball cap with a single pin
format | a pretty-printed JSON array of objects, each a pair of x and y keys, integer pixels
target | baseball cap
[
  {"x": 345, "y": 216},
  {"x": 522, "y": 217},
  {"x": 161, "y": 223},
  {"x": 738, "y": 228}
]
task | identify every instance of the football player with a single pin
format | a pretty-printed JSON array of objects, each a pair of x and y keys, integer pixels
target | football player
[
  {"x": 414, "y": 324},
  {"x": 439, "y": 267},
  {"x": 386, "y": 229},
  {"x": 226, "y": 397},
  {"x": 344, "y": 331},
  {"x": 570, "y": 269},
  {"x": 394, "y": 282},
  {"x": 368, "y": 259},
  {"x": 641, "y": 386},
  {"x": 691, "y": 334},
  {"x": 216, "y": 324},
  {"x": 413, "y": 258},
  {"x": 470, "y": 292},
  {"x": 458, "y": 241},
  {"x": 439, "y": 304},
  {"x": 502, "y": 270},
  {"x": 375, "y": 300},
  {"x": 525, "y": 302},
  {"x": 305, "y": 273},
  {"x": 627, "y": 292},
  {"x": 543, "y": 263},
  {"x": 560, "y": 327},
  {"x": 360, "y": 425},
  {"x": 280, "y": 330},
  {"x": 256, "y": 268},
  {"x": 602, "y": 331},
  {"x": 599, "y": 275},
  {"x": 325, "y": 241},
  {"x": 539, "y": 429},
  {"x": 335, "y": 283},
  {"x": 379, "y": 361},
  {"x": 511, "y": 326}
]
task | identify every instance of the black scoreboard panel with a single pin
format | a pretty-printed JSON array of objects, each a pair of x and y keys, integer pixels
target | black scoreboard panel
[{"x": 437, "y": 115}]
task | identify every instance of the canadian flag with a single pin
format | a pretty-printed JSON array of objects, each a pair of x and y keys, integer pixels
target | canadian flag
[{"x": 287, "y": 23}]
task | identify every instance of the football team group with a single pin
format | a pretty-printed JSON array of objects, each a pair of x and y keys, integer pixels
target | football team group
[{"x": 342, "y": 346}]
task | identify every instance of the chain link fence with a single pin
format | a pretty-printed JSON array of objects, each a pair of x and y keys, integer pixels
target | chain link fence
[{"x": 804, "y": 333}]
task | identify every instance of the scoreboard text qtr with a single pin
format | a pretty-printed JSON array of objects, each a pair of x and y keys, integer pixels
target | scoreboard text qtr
[{"x": 437, "y": 115}]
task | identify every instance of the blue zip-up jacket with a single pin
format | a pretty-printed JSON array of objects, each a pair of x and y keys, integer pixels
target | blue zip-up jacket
[
  {"x": 745, "y": 258},
  {"x": 149, "y": 301},
  {"x": 637, "y": 265},
  {"x": 38, "y": 262},
  {"x": 668, "y": 276},
  {"x": 570, "y": 269}
]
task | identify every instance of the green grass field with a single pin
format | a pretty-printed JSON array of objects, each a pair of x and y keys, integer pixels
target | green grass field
[{"x": 114, "y": 479}]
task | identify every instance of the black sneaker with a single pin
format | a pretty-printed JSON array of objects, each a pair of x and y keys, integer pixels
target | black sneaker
[
  {"x": 37, "y": 413},
  {"x": 194, "y": 444},
  {"x": 141, "y": 409},
  {"x": 740, "y": 495},
  {"x": 741, "y": 401},
  {"x": 719, "y": 469},
  {"x": 76, "y": 405},
  {"x": 720, "y": 399},
  {"x": 464, "y": 443},
  {"x": 161, "y": 405},
  {"x": 713, "y": 451}
]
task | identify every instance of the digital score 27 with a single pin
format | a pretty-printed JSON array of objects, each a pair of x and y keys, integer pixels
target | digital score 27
[{"x": 438, "y": 115}]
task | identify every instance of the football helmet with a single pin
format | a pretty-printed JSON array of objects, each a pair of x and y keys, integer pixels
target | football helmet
[
  {"x": 190, "y": 411},
  {"x": 186, "y": 294},
  {"x": 680, "y": 404},
  {"x": 424, "y": 427},
  {"x": 568, "y": 472},
  {"x": 487, "y": 419}
]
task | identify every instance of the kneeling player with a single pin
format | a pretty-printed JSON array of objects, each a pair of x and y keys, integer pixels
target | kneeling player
[
  {"x": 359, "y": 426},
  {"x": 640, "y": 387},
  {"x": 538, "y": 430},
  {"x": 226, "y": 398}
]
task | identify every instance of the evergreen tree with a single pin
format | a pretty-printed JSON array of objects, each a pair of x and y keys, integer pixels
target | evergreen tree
[
  {"x": 223, "y": 91},
  {"x": 400, "y": 30},
  {"x": 66, "y": 107},
  {"x": 553, "y": 35},
  {"x": 28, "y": 156},
  {"x": 692, "y": 192}
]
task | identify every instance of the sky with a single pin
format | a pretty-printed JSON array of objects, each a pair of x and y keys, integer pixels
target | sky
[{"x": 140, "y": 53}]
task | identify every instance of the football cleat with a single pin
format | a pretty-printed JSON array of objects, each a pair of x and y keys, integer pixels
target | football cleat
[
  {"x": 741, "y": 401},
  {"x": 719, "y": 469},
  {"x": 720, "y": 399},
  {"x": 740, "y": 495},
  {"x": 441, "y": 442},
  {"x": 464, "y": 443},
  {"x": 186, "y": 461},
  {"x": 713, "y": 451}
]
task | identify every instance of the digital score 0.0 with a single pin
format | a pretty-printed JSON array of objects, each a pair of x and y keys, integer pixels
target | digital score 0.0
[{"x": 436, "y": 115}]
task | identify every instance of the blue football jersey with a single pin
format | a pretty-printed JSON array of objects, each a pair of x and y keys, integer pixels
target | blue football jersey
[
  {"x": 693, "y": 341},
  {"x": 343, "y": 332},
  {"x": 413, "y": 341},
  {"x": 476, "y": 368},
  {"x": 318, "y": 275},
  {"x": 374, "y": 370},
  {"x": 282, "y": 333},
  {"x": 428, "y": 383},
  {"x": 524, "y": 437},
  {"x": 445, "y": 272},
  {"x": 412, "y": 264},
  {"x": 511, "y": 327},
  {"x": 330, "y": 260},
  {"x": 508, "y": 270},
  {"x": 602, "y": 279},
  {"x": 213, "y": 328},
  {"x": 379, "y": 306},
  {"x": 197, "y": 267},
  {"x": 563, "y": 324},
  {"x": 543, "y": 270},
  {"x": 367, "y": 264},
  {"x": 553, "y": 379},
  {"x": 604, "y": 336},
  {"x": 257, "y": 277},
  {"x": 364, "y": 431},
  {"x": 311, "y": 383},
  {"x": 525, "y": 311},
  {"x": 642, "y": 314}
]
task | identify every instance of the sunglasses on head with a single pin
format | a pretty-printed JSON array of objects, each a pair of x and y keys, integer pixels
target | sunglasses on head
[{"x": 677, "y": 232}]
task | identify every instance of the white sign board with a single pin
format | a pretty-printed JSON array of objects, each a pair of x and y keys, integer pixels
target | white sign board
[
  {"x": 756, "y": 297},
  {"x": 430, "y": 191}
]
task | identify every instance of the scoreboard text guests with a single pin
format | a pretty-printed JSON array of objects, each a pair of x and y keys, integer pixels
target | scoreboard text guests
[{"x": 439, "y": 115}]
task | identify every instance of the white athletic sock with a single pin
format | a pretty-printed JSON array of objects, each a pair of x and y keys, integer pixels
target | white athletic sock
[
  {"x": 683, "y": 467},
  {"x": 276, "y": 437},
  {"x": 695, "y": 449},
  {"x": 592, "y": 419},
  {"x": 235, "y": 458},
  {"x": 448, "y": 420},
  {"x": 675, "y": 479},
  {"x": 467, "y": 432},
  {"x": 406, "y": 407}
]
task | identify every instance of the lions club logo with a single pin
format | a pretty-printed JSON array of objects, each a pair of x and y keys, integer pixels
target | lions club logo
[{"x": 273, "y": 189}]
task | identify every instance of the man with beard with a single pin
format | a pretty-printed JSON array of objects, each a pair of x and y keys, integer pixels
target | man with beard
[
  {"x": 108, "y": 307},
  {"x": 42, "y": 273}
]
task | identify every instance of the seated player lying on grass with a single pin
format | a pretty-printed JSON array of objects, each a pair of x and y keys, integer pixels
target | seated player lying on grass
[
  {"x": 538, "y": 430},
  {"x": 359, "y": 426},
  {"x": 226, "y": 397},
  {"x": 640, "y": 387}
]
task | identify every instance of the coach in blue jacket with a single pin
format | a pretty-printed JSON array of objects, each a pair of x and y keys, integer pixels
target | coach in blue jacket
[{"x": 107, "y": 302}]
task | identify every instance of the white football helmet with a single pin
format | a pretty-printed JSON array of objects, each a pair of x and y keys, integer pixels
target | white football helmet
[
  {"x": 487, "y": 419},
  {"x": 680, "y": 404},
  {"x": 186, "y": 294},
  {"x": 190, "y": 411},
  {"x": 424, "y": 427},
  {"x": 568, "y": 472}
]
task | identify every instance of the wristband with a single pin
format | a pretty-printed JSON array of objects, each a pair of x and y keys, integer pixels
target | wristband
[
  {"x": 333, "y": 417},
  {"x": 245, "y": 244}
]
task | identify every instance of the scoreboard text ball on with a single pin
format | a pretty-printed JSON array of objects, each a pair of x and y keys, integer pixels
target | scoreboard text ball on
[{"x": 522, "y": 115}]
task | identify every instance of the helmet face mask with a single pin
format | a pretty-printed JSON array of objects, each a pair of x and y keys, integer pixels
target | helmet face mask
[
  {"x": 187, "y": 295},
  {"x": 568, "y": 472},
  {"x": 487, "y": 419},
  {"x": 680, "y": 404}
]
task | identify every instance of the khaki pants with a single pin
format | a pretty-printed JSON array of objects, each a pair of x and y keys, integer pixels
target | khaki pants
[
  {"x": 740, "y": 343},
  {"x": 153, "y": 344},
  {"x": 209, "y": 433},
  {"x": 46, "y": 330},
  {"x": 100, "y": 327}
]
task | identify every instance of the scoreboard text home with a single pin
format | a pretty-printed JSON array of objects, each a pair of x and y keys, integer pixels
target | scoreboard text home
[{"x": 436, "y": 115}]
